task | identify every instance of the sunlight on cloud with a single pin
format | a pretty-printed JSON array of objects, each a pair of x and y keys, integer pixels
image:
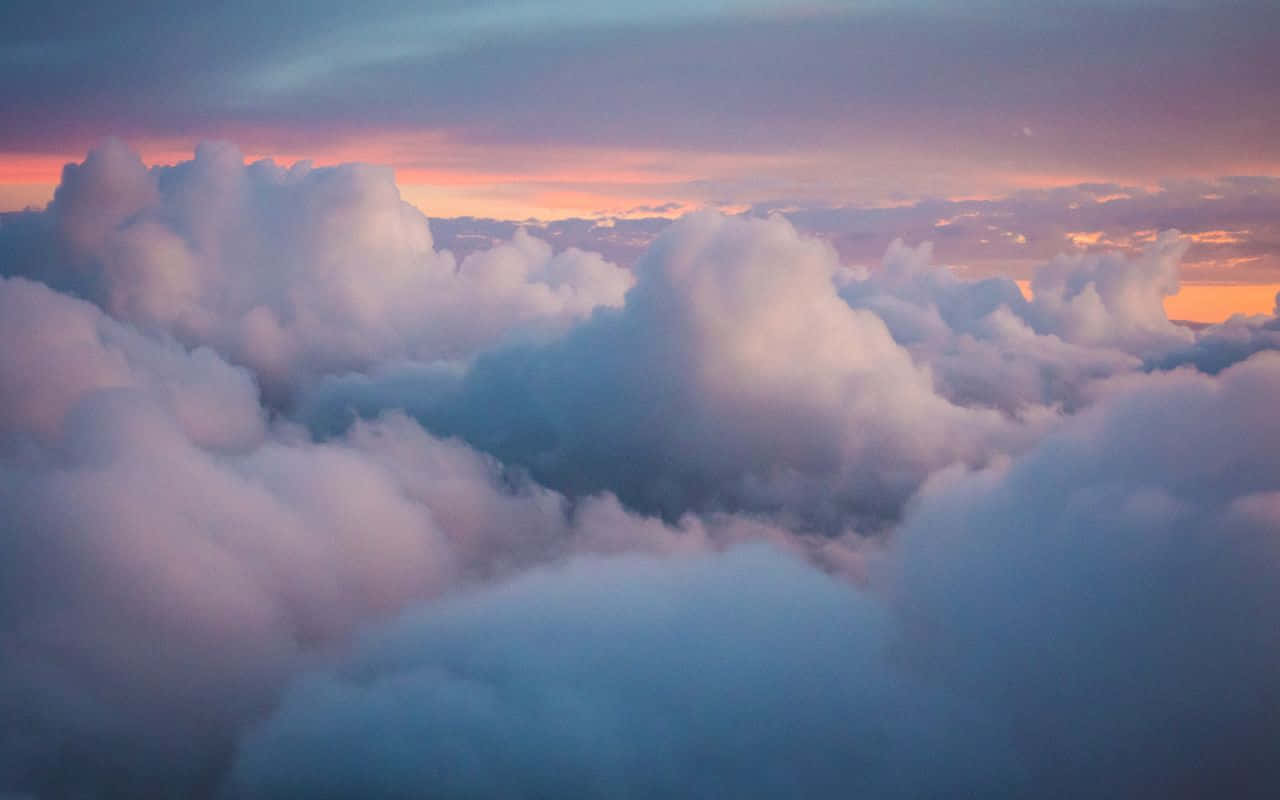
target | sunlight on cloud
[{"x": 296, "y": 498}]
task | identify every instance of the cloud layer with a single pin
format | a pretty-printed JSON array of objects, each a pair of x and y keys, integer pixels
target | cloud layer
[
  {"x": 1096, "y": 618},
  {"x": 295, "y": 504}
]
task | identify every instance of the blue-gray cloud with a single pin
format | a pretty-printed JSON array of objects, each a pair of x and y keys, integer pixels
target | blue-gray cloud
[{"x": 1096, "y": 618}]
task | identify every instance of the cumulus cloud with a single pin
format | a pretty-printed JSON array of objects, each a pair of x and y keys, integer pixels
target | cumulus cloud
[
  {"x": 57, "y": 349},
  {"x": 1095, "y": 618},
  {"x": 1112, "y": 593},
  {"x": 1113, "y": 300},
  {"x": 1090, "y": 317},
  {"x": 748, "y": 675},
  {"x": 742, "y": 521},
  {"x": 750, "y": 370},
  {"x": 170, "y": 557},
  {"x": 735, "y": 377},
  {"x": 293, "y": 272}
]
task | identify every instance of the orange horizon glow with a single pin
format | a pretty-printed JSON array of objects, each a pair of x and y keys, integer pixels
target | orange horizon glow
[
  {"x": 522, "y": 181},
  {"x": 445, "y": 178}
]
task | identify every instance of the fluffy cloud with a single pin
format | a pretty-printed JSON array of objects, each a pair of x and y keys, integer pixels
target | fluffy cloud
[
  {"x": 169, "y": 558},
  {"x": 292, "y": 272},
  {"x": 735, "y": 378},
  {"x": 747, "y": 675},
  {"x": 1095, "y": 618},
  {"x": 1090, "y": 317},
  {"x": 1014, "y": 547},
  {"x": 1112, "y": 594},
  {"x": 1113, "y": 300},
  {"x": 58, "y": 349},
  {"x": 750, "y": 370}
]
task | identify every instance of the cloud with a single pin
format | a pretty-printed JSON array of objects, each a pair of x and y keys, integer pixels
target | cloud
[
  {"x": 1113, "y": 300},
  {"x": 1094, "y": 618},
  {"x": 761, "y": 523},
  {"x": 296, "y": 272},
  {"x": 58, "y": 349},
  {"x": 734, "y": 378},
  {"x": 1220, "y": 346},
  {"x": 989, "y": 346},
  {"x": 170, "y": 556},
  {"x": 750, "y": 370},
  {"x": 1111, "y": 593},
  {"x": 747, "y": 675}
]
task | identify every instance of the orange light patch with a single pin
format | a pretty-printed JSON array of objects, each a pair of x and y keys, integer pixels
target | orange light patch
[
  {"x": 1210, "y": 302},
  {"x": 1218, "y": 237},
  {"x": 1086, "y": 238},
  {"x": 21, "y": 196}
]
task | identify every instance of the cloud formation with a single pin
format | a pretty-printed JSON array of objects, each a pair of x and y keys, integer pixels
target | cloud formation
[
  {"x": 296, "y": 272},
  {"x": 170, "y": 557},
  {"x": 748, "y": 675},
  {"x": 750, "y": 370},
  {"x": 1095, "y": 618},
  {"x": 735, "y": 377},
  {"x": 742, "y": 520}
]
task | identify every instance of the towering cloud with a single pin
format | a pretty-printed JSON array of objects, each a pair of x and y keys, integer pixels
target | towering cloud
[
  {"x": 735, "y": 377},
  {"x": 295, "y": 272},
  {"x": 749, "y": 370}
]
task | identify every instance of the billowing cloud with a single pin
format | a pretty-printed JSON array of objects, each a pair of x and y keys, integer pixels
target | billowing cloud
[
  {"x": 292, "y": 272},
  {"x": 1111, "y": 595},
  {"x": 748, "y": 675},
  {"x": 744, "y": 520},
  {"x": 735, "y": 377},
  {"x": 750, "y": 370},
  {"x": 169, "y": 558},
  {"x": 1095, "y": 618}
]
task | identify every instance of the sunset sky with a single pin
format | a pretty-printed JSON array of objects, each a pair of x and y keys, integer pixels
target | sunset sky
[
  {"x": 554, "y": 109},
  {"x": 619, "y": 400}
]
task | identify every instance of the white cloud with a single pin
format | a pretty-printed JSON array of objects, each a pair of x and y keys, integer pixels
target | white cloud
[{"x": 297, "y": 272}]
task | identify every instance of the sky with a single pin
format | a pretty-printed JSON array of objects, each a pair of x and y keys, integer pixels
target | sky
[
  {"x": 552, "y": 109},
  {"x": 608, "y": 400}
]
